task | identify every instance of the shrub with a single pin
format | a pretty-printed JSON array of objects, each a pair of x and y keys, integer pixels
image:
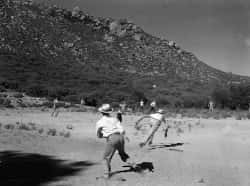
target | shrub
[
  {"x": 9, "y": 126},
  {"x": 37, "y": 91},
  {"x": 221, "y": 96},
  {"x": 238, "y": 116},
  {"x": 248, "y": 115},
  {"x": 69, "y": 126},
  {"x": 65, "y": 134},
  {"x": 58, "y": 92},
  {"x": 52, "y": 132},
  {"x": 162, "y": 100},
  {"x": 18, "y": 95},
  {"x": 2, "y": 89},
  {"x": 24, "y": 126},
  {"x": 32, "y": 125},
  {"x": 72, "y": 98},
  {"x": 188, "y": 102},
  {"x": 5, "y": 102},
  {"x": 41, "y": 130}
]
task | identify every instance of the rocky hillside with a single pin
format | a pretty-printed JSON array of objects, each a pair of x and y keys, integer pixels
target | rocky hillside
[{"x": 48, "y": 51}]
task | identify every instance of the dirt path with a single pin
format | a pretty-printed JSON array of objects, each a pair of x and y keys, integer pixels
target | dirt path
[{"x": 214, "y": 153}]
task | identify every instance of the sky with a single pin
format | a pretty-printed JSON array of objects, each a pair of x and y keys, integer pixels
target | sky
[{"x": 216, "y": 31}]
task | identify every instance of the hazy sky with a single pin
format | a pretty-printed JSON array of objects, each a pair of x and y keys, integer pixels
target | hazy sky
[{"x": 216, "y": 31}]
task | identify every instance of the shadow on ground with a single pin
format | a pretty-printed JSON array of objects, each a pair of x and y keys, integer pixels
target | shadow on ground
[
  {"x": 139, "y": 168},
  {"x": 159, "y": 146},
  {"x": 23, "y": 169}
]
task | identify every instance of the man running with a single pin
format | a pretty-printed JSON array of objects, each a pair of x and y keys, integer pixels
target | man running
[
  {"x": 156, "y": 120},
  {"x": 110, "y": 128}
]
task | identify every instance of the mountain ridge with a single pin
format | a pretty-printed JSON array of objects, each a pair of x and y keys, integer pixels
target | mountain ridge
[{"x": 49, "y": 51}]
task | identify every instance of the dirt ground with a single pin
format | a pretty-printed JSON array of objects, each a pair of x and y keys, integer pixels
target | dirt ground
[{"x": 205, "y": 152}]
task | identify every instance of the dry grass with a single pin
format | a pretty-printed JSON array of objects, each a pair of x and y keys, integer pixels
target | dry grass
[{"x": 197, "y": 151}]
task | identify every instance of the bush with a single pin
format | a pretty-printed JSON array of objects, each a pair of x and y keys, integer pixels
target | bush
[
  {"x": 188, "y": 102},
  {"x": 9, "y": 126},
  {"x": 238, "y": 116},
  {"x": 41, "y": 130},
  {"x": 52, "y": 132},
  {"x": 58, "y": 92},
  {"x": 18, "y": 95},
  {"x": 162, "y": 100},
  {"x": 2, "y": 89},
  {"x": 248, "y": 116},
  {"x": 32, "y": 125},
  {"x": 221, "y": 96},
  {"x": 24, "y": 126},
  {"x": 72, "y": 98},
  {"x": 5, "y": 102},
  {"x": 64, "y": 134},
  {"x": 37, "y": 91}
]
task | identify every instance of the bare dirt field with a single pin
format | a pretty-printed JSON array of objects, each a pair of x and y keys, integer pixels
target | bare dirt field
[{"x": 205, "y": 152}]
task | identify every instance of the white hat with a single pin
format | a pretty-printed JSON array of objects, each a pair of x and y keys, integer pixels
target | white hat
[
  {"x": 105, "y": 108},
  {"x": 161, "y": 111}
]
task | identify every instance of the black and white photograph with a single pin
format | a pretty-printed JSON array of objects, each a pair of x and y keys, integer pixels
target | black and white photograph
[{"x": 124, "y": 93}]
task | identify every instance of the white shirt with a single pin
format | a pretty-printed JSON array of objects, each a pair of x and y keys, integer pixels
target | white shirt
[
  {"x": 156, "y": 118},
  {"x": 153, "y": 104},
  {"x": 109, "y": 126}
]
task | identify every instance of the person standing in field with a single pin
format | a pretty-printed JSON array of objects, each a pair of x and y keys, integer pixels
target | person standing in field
[
  {"x": 82, "y": 103},
  {"x": 211, "y": 106},
  {"x": 55, "y": 111},
  {"x": 153, "y": 106},
  {"x": 156, "y": 120},
  {"x": 110, "y": 128},
  {"x": 141, "y": 105}
]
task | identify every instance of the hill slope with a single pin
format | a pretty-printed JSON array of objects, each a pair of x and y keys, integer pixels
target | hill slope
[{"x": 47, "y": 51}]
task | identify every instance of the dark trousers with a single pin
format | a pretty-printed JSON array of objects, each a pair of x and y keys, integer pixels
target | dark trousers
[{"x": 114, "y": 142}]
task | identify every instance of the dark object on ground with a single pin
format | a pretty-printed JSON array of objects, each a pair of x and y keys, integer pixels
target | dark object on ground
[
  {"x": 139, "y": 168},
  {"x": 201, "y": 181},
  {"x": 152, "y": 147}
]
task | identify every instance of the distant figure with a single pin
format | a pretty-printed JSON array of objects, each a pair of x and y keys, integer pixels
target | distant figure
[
  {"x": 153, "y": 106},
  {"x": 141, "y": 105},
  {"x": 82, "y": 102},
  {"x": 211, "y": 106},
  {"x": 156, "y": 120},
  {"x": 111, "y": 129},
  {"x": 55, "y": 110}
]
